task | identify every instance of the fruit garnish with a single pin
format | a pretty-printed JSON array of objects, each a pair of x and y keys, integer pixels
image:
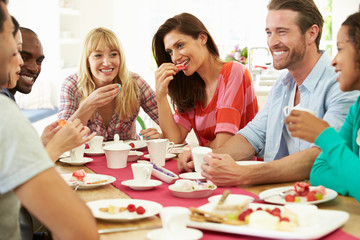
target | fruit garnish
[
  {"x": 302, "y": 188},
  {"x": 180, "y": 67},
  {"x": 140, "y": 210},
  {"x": 289, "y": 198},
  {"x": 297, "y": 199},
  {"x": 131, "y": 208},
  {"x": 62, "y": 122},
  {"x": 311, "y": 197},
  {"x": 318, "y": 196},
  {"x": 132, "y": 145}
]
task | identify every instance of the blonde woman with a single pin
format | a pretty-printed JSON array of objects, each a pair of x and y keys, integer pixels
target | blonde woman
[{"x": 104, "y": 95}]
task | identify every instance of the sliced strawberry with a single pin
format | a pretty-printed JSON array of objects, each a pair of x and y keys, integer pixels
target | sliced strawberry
[
  {"x": 180, "y": 67},
  {"x": 289, "y": 198},
  {"x": 140, "y": 210},
  {"x": 79, "y": 175},
  {"x": 302, "y": 188},
  {"x": 132, "y": 145},
  {"x": 311, "y": 197},
  {"x": 284, "y": 219}
]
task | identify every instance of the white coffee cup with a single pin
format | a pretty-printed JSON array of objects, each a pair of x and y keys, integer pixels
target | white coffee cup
[
  {"x": 141, "y": 173},
  {"x": 174, "y": 219},
  {"x": 287, "y": 110},
  {"x": 77, "y": 154},
  {"x": 116, "y": 155},
  {"x": 158, "y": 149},
  {"x": 96, "y": 143},
  {"x": 198, "y": 154}
]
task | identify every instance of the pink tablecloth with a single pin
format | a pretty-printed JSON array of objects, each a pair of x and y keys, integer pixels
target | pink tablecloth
[{"x": 163, "y": 195}]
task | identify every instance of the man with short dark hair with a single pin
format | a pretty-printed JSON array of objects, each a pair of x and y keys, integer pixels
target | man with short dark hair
[{"x": 293, "y": 31}]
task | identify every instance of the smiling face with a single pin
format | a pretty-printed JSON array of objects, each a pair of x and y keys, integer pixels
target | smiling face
[
  {"x": 7, "y": 46},
  {"x": 33, "y": 56},
  {"x": 16, "y": 62},
  {"x": 345, "y": 62},
  {"x": 286, "y": 42},
  {"x": 185, "y": 50},
  {"x": 104, "y": 65}
]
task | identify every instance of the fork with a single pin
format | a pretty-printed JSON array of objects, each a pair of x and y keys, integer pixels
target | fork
[
  {"x": 281, "y": 194},
  {"x": 76, "y": 184}
]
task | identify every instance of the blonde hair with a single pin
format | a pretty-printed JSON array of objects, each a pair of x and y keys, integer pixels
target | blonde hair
[{"x": 126, "y": 101}]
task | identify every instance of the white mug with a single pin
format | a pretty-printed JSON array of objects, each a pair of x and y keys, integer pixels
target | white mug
[
  {"x": 287, "y": 110},
  {"x": 141, "y": 173},
  {"x": 198, "y": 154},
  {"x": 96, "y": 143},
  {"x": 158, "y": 149},
  {"x": 117, "y": 155},
  {"x": 77, "y": 154},
  {"x": 174, "y": 219}
]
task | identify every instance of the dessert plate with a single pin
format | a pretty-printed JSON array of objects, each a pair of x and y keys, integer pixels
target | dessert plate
[
  {"x": 150, "y": 185},
  {"x": 90, "y": 152},
  {"x": 328, "y": 221},
  {"x": 187, "y": 233},
  {"x": 134, "y": 156},
  {"x": 177, "y": 145},
  {"x": 191, "y": 189},
  {"x": 273, "y": 195},
  {"x": 75, "y": 163},
  {"x": 92, "y": 180},
  {"x": 151, "y": 209},
  {"x": 65, "y": 154},
  {"x": 191, "y": 175},
  {"x": 167, "y": 157}
]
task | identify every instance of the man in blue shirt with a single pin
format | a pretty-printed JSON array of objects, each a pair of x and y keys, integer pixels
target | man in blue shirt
[{"x": 293, "y": 35}]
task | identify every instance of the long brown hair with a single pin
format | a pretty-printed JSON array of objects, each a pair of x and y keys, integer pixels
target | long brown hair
[
  {"x": 309, "y": 14},
  {"x": 353, "y": 22},
  {"x": 185, "y": 91}
]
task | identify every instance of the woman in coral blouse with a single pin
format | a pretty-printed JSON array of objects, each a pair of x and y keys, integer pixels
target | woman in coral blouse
[{"x": 214, "y": 98}]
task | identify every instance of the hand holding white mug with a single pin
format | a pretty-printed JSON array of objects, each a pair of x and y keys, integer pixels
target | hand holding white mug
[{"x": 287, "y": 110}]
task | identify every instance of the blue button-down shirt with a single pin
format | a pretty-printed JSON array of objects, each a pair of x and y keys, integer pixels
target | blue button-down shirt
[{"x": 319, "y": 92}]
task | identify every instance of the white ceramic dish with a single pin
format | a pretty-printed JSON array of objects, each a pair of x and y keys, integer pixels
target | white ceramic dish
[
  {"x": 249, "y": 162},
  {"x": 192, "y": 175},
  {"x": 134, "y": 156},
  {"x": 272, "y": 195},
  {"x": 151, "y": 209},
  {"x": 92, "y": 180},
  {"x": 164, "y": 175},
  {"x": 90, "y": 152},
  {"x": 150, "y": 185},
  {"x": 139, "y": 144},
  {"x": 177, "y": 145},
  {"x": 329, "y": 220},
  {"x": 65, "y": 154},
  {"x": 201, "y": 193},
  {"x": 186, "y": 234},
  {"x": 76, "y": 163},
  {"x": 167, "y": 157},
  {"x": 231, "y": 199},
  {"x": 177, "y": 150}
]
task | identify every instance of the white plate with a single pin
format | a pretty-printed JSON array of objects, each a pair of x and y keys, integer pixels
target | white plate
[
  {"x": 150, "y": 185},
  {"x": 90, "y": 180},
  {"x": 134, "y": 156},
  {"x": 231, "y": 199},
  {"x": 167, "y": 157},
  {"x": 266, "y": 195},
  {"x": 177, "y": 145},
  {"x": 90, "y": 152},
  {"x": 191, "y": 175},
  {"x": 139, "y": 144},
  {"x": 249, "y": 162},
  {"x": 151, "y": 209},
  {"x": 177, "y": 150},
  {"x": 186, "y": 234},
  {"x": 76, "y": 163},
  {"x": 329, "y": 220},
  {"x": 65, "y": 154}
]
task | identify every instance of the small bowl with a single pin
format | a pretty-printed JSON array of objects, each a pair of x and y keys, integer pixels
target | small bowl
[
  {"x": 134, "y": 156},
  {"x": 200, "y": 193},
  {"x": 163, "y": 174},
  {"x": 116, "y": 155}
]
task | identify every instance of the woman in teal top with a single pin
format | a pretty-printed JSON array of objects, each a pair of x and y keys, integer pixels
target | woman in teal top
[{"x": 338, "y": 165}]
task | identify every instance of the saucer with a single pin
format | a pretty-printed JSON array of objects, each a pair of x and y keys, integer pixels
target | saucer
[
  {"x": 167, "y": 157},
  {"x": 90, "y": 152},
  {"x": 191, "y": 175},
  {"x": 151, "y": 184},
  {"x": 186, "y": 234},
  {"x": 75, "y": 163}
]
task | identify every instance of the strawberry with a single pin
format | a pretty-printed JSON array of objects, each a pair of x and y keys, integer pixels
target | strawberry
[
  {"x": 276, "y": 212},
  {"x": 289, "y": 198},
  {"x": 311, "y": 197},
  {"x": 180, "y": 67},
  {"x": 131, "y": 207},
  {"x": 302, "y": 188},
  {"x": 132, "y": 145},
  {"x": 140, "y": 210},
  {"x": 79, "y": 175},
  {"x": 284, "y": 219}
]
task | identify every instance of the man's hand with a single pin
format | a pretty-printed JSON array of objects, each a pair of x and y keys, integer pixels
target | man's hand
[{"x": 185, "y": 161}]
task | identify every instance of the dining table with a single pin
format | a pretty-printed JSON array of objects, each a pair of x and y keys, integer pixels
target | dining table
[{"x": 163, "y": 196}]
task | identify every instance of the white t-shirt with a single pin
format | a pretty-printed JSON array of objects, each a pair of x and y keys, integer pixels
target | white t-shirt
[{"x": 22, "y": 156}]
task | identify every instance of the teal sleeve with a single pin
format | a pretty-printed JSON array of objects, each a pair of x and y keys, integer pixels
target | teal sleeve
[{"x": 338, "y": 166}]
